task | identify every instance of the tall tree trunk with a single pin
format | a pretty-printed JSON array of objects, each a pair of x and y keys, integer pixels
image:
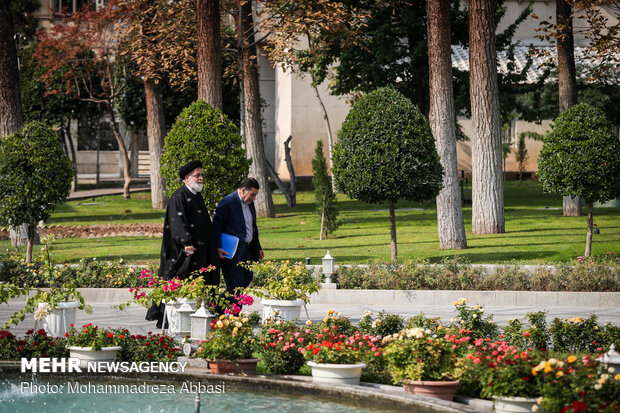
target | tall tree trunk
[
  {"x": 155, "y": 130},
  {"x": 450, "y": 223},
  {"x": 567, "y": 81},
  {"x": 32, "y": 233},
  {"x": 74, "y": 182},
  {"x": 291, "y": 170},
  {"x": 590, "y": 230},
  {"x": 487, "y": 183},
  {"x": 11, "y": 118},
  {"x": 393, "y": 247},
  {"x": 134, "y": 148},
  {"x": 253, "y": 120},
  {"x": 209, "y": 52},
  {"x": 123, "y": 151}
]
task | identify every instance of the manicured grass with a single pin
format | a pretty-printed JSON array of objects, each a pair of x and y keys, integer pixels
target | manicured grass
[{"x": 536, "y": 232}]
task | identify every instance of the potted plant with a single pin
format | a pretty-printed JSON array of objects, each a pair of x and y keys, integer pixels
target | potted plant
[
  {"x": 230, "y": 345},
  {"x": 54, "y": 308},
  {"x": 283, "y": 287},
  {"x": 505, "y": 374},
  {"x": 177, "y": 294},
  {"x": 92, "y": 344},
  {"x": 425, "y": 363},
  {"x": 337, "y": 357}
]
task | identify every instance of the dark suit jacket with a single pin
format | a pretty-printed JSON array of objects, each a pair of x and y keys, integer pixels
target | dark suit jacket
[
  {"x": 188, "y": 223},
  {"x": 229, "y": 219}
]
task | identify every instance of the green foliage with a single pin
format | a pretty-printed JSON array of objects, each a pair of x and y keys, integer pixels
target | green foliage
[
  {"x": 417, "y": 354},
  {"x": 521, "y": 154},
  {"x": 536, "y": 336},
  {"x": 581, "y": 156},
  {"x": 231, "y": 338},
  {"x": 52, "y": 297},
  {"x": 149, "y": 347},
  {"x": 596, "y": 274},
  {"x": 502, "y": 370},
  {"x": 33, "y": 344},
  {"x": 282, "y": 280},
  {"x": 383, "y": 325},
  {"x": 473, "y": 321},
  {"x": 386, "y": 151},
  {"x": 577, "y": 384},
  {"x": 204, "y": 133},
  {"x": 92, "y": 336},
  {"x": 323, "y": 193},
  {"x": 55, "y": 108},
  {"x": 280, "y": 342},
  {"x": 579, "y": 334},
  {"x": 35, "y": 174}
]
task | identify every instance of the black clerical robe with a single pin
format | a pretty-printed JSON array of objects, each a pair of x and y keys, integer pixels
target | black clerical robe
[{"x": 188, "y": 223}]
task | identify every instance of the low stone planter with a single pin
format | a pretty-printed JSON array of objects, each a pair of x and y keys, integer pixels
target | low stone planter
[
  {"x": 513, "y": 404},
  {"x": 59, "y": 319},
  {"x": 287, "y": 310},
  {"x": 87, "y": 354},
  {"x": 336, "y": 373}
]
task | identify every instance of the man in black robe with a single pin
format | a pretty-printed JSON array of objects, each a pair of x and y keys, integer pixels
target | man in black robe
[{"x": 189, "y": 242}]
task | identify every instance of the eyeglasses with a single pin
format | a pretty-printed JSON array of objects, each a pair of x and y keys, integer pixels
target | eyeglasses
[{"x": 197, "y": 176}]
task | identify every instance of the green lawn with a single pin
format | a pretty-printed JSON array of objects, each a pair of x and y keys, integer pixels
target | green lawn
[{"x": 536, "y": 232}]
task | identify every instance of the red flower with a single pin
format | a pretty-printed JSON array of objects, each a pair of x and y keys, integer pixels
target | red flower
[
  {"x": 316, "y": 350},
  {"x": 110, "y": 335}
]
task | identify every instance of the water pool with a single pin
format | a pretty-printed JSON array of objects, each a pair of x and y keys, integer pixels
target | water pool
[{"x": 67, "y": 396}]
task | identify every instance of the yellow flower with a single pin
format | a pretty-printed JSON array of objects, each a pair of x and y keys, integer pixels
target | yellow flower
[
  {"x": 108, "y": 276},
  {"x": 571, "y": 359},
  {"x": 548, "y": 367},
  {"x": 539, "y": 400},
  {"x": 534, "y": 371},
  {"x": 330, "y": 312},
  {"x": 234, "y": 332},
  {"x": 559, "y": 374},
  {"x": 439, "y": 327},
  {"x": 617, "y": 377},
  {"x": 535, "y": 408},
  {"x": 309, "y": 322}
]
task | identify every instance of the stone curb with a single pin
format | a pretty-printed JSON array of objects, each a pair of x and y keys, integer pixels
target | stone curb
[{"x": 544, "y": 299}]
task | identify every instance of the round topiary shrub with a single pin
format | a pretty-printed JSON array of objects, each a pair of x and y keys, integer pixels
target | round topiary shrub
[
  {"x": 203, "y": 133},
  {"x": 386, "y": 152},
  {"x": 35, "y": 176},
  {"x": 581, "y": 156}
]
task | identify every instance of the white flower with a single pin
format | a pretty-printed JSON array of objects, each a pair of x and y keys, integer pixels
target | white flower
[
  {"x": 534, "y": 407},
  {"x": 42, "y": 312}
]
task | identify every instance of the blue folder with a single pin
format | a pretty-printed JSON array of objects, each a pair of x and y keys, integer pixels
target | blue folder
[{"x": 229, "y": 245}]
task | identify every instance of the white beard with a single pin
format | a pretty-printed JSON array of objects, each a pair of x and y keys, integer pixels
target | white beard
[{"x": 196, "y": 187}]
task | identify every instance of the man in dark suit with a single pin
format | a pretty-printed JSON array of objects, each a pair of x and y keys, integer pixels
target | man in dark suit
[
  {"x": 189, "y": 242},
  {"x": 235, "y": 215}
]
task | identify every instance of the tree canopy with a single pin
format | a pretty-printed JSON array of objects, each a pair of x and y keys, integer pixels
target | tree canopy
[{"x": 206, "y": 134}]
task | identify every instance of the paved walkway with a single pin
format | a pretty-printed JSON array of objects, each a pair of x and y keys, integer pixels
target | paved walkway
[{"x": 132, "y": 317}]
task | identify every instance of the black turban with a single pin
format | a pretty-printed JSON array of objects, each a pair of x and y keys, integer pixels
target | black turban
[{"x": 187, "y": 168}]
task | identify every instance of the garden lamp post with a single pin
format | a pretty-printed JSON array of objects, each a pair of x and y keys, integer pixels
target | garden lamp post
[
  {"x": 328, "y": 267},
  {"x": 200, "y": 323},
  {"x": 612, "y": 358},
  {"x": 184, "y": 318}
]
